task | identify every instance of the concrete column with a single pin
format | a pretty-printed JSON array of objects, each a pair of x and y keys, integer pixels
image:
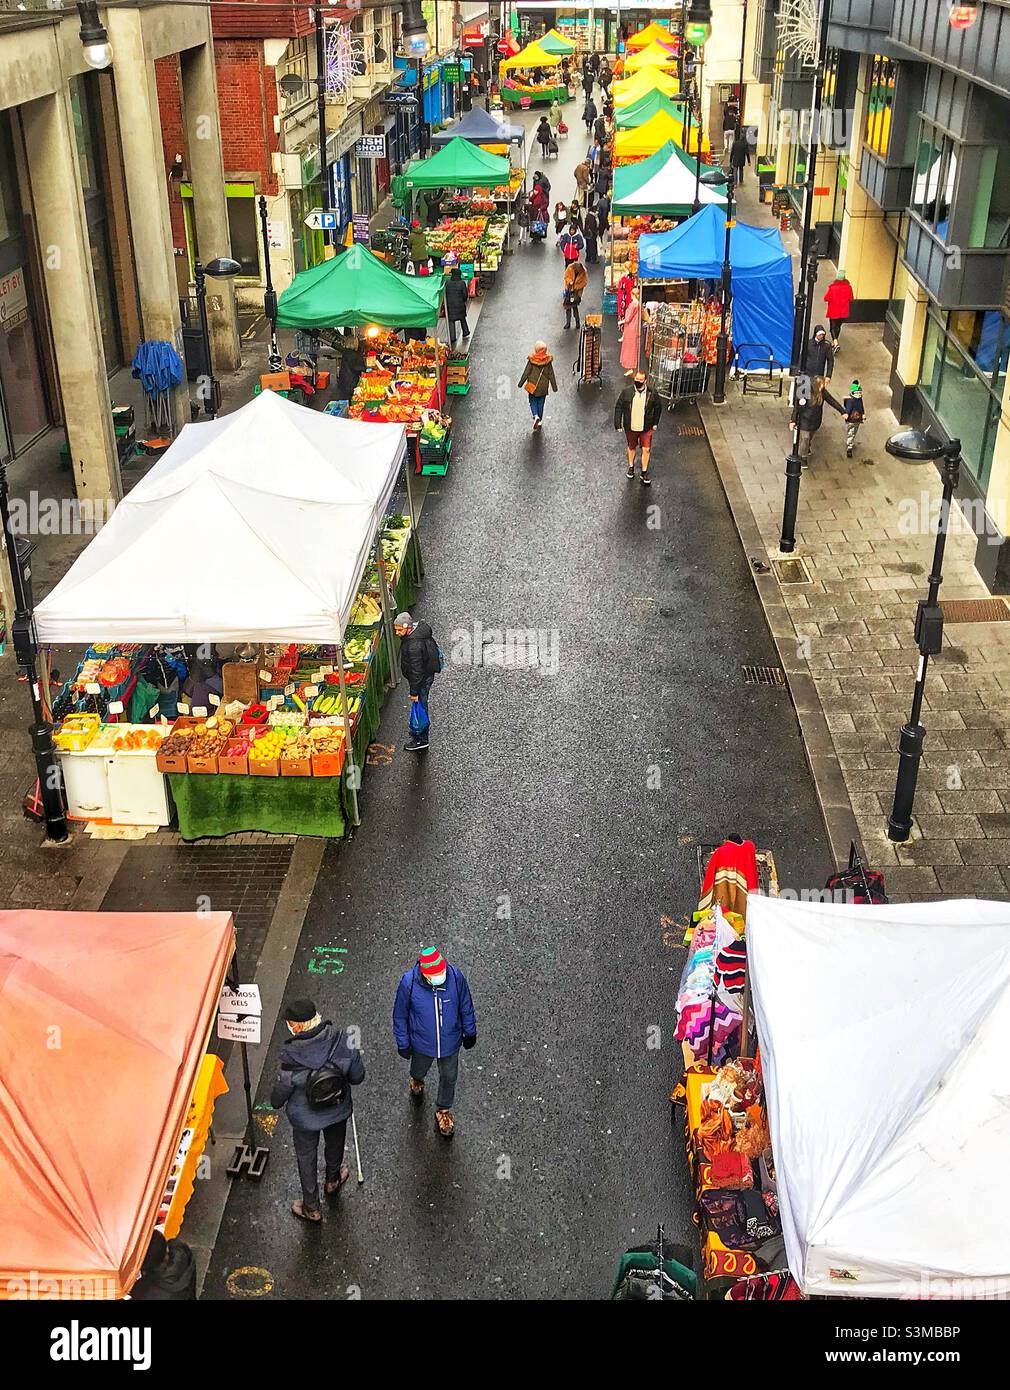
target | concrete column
[
  {"x": 997, "y": 498},
  {"x": 867, "y": 249},
  {"x": 51, "y": 147},
  {"x": 147, "y": 188},
  {"x": 913, "y": 330},
  {"x": 210, "y": 203}
]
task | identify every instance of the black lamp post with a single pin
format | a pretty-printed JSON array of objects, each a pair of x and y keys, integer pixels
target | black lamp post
[
  {"x": 804, "y": 301},
  {"x": 794, "y": 464},
  {"x": 222, "y": 268},
  {"x": 714, "y": 178},
  {"x": 269, "y": 293},
  {"x": 917, "y": 447},
  {"x": 26, "y": 654}
]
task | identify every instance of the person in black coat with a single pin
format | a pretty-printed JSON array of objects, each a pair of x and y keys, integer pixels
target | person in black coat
[
  {"x": 457, "y": 296},
  {"x": 808, "y": 412},
  {"x": 587, "y": 81},
  {"x": 420, "y": 663},
  {"x": 637, "y": 412},
  {"x": 739, "y": 156},
  {"x": 589, "y": 114},
  {"x": 316, "y": 1050},
  {"x": 600, "y": 130},
  {"x": 820, "y": 355},
  {"x": 352, "y": 364},
  {"x": 603, "y": 211},
  {"x": 544, "y": 135},
  {"x": 168, "y": 1273},
  {"x": 592, "y": 235}
]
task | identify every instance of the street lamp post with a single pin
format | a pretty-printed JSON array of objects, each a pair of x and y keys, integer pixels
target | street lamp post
[
  {"x": 221, "y": 268},
  {"x": 803, "y": 302},
  {"x": 697, "y": 31},
  {"x": 794, "y": 464},
  {"x": 743, "y": 62},
  {"x": 26, "y": 653},
  {"x": 269, "y": 294},
  {"x": 711, "y": 179},
  {"x": 917, "y": 447},
  {"x": 701, "y": 128},
  {"x": 320, "y": 80}
]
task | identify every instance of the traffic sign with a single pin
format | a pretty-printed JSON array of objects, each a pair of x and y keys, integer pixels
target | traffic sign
[{"x": 319, "y": 220}]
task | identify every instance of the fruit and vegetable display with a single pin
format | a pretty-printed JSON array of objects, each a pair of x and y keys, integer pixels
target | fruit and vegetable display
[
  {"x": 366, "y": 612},
  {"x": 140, "y": 738},
  {"x": 401, "y": 380},
  {"x": 461, "y": 235}
]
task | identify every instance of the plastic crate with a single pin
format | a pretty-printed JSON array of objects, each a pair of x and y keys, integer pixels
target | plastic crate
[
  {"x": 435, "y": 469},
  {"x": 454, "y": 389}
]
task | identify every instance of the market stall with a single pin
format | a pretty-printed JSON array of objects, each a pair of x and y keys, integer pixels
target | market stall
[
  {"x": 638, "y": 112},
  {"x": 473, "y": 230},
  {"x": 653, "y": 55},
  {"x": 553, "y": 42},
  {"x": 883, "y": 1188},
  {"x": 531, "y": 77},
  {"x": 256, "y": 530},
  {"x": 761, "y": 268},
  {"x": 631, "y": 89},
  {"x": 653, "y": 33},
  {"x": 481, "y": 128},
  {"x": 664, "y": 183},
  {"x": 646, "y": 139},
  {"x": 99, "y": 1145}
]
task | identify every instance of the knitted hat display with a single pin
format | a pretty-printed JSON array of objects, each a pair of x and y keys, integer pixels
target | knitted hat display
[{"x": 432, "y": 963}]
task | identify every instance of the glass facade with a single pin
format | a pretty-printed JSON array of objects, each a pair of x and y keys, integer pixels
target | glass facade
[
  {"x": 935, "y": 175},
  {"x": 897, "y": 226},
  {"x": 91, "y": 157},
  {"x": 24, "y": 407},
  {"x": 964, "y": 362},
  {"x": 880, "y": 98},
  {"x": 990, "y": 222}
]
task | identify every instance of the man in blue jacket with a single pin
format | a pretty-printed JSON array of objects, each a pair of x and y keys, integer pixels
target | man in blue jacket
[
  {"x": 318, "y": 1067},
  {"x": 433, "y": 1015}
]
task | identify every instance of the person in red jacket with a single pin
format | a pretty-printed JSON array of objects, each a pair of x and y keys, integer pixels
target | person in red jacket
[{"x": 839, "y": 300}]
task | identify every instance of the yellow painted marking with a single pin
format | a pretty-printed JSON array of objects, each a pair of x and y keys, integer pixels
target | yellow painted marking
[{"x": 249, "y": 1281}]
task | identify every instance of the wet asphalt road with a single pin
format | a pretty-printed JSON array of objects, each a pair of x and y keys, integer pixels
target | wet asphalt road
[{"x": 533, "y": 845}]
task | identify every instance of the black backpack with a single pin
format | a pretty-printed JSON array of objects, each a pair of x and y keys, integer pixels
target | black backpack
[{"x": 326, "y": 1085}]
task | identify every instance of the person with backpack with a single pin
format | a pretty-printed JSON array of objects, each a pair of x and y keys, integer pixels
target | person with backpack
[
  {"x": 420, "y": 663},
  {"x": 537, "y": 380},
  {"x": 572, "y": 243},
  {"x": 318, "y": 1067},
  {"x": 433, "y": 1016},
  {"x": 576, "y": 280},
  {"x": 457, "y": 297}
]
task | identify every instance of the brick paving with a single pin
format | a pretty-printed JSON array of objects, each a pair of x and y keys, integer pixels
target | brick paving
[{"x": 849, "y": 630}]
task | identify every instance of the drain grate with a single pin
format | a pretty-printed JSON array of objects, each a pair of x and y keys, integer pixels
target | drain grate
[
  {"x": 764, "y": 675},
  {"x": 975, "y": 610},
  {"x": 793, "y": 571},
  {"x": 690, "y": 430}
]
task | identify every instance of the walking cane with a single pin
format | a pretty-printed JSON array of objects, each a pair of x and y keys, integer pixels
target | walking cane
[{"x": 357, "y": 1151}]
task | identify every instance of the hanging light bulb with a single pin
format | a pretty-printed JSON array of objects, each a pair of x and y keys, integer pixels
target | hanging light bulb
[
  {"x": 416, "y": 43},
  {"x": 94, "y": 36},
  {"x": 698, "y": 27}
]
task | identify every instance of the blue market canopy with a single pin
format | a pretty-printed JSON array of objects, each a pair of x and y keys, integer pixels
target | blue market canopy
[
  {"x": 480, "y": 128},
  {"x": 761, "y": 268}
]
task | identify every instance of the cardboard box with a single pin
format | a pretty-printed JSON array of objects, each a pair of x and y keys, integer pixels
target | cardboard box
[
  {"x": 270, "y": 768},
  {"x": 202, "y": 764},
  {"x": 328, "y": 764},
  {"x": 235, "y": 758},
  {"x": 296, "y": 767},
  {"x": 174, "y": 762}
]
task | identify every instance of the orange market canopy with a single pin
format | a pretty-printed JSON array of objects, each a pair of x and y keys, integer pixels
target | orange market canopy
[
  {"x": 104, "y": 1018},
  {"x": 532, "y": 56},
  {"x": 655, "y": 56},
  {"x": 652, "y": 33},
  {"x": 640, "y": 84},
  {"x": 643, "y": 140}
]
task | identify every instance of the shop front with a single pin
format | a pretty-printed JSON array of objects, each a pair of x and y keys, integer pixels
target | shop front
[{"x": 961, "y": 381}]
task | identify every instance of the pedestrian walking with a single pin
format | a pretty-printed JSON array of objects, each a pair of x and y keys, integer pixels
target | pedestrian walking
[
  {"x": 418, "y": 246},
  {"x": 433, "y": 1017},
  {"x": 839, "y": 301},
  {"x": 592, "y": 239},
  {"x": 538, "y": 379},
  {"x": 600, "y": 130},
  {"x": 637, "y": 413},
  {"x": 540, "y": 180},
  {"x": 544, "y": 136},
  {"x": 590, "y": 114},
  {"x": 318, "y": 1067},
  {"x": 420, "y": 663},
  {"x": 576, "y": 281},
  {"x": 560, "y": 217},
  {"x": 606, "y": 77},
  {"x": 457, "y": 296},
  {"x": 523, "y": 217},
  {"x": 729, "y": 117},
  {"x": 583, "y": 178},
  {"x": 739, "y": 156},
  {"x": 820, "y": 355},
  {"x": 572, "y": 243},
  {"x": 539, "y": 208},
  {"x": 594, "y": 63},
  {"x": 556, "y": 116},
  {"x": 603, "y": 210},
  {"x": 587, "y": 80},
  {"x": 808, "y": 412},
  {"x": 855, "y": 413}
]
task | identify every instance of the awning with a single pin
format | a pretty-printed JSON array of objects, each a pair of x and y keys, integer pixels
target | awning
[
  {"x": 631, "y": 117},
  {"x": 640, "y": 84},
  {"x": 553, "y": 42},
  {"x": 665, "y": 184},
  {"x": 357, "y": 288},
  {"x": 647, "y": 138},
  {"x": 89, "y": 1127},
  {"x": 655, "y": 56},
  {"x": 481, "y": 128},
  {"x": 532, "y": 56},
  {"x": 459, "y": 164},
  {"x": 652, "y": 33}
]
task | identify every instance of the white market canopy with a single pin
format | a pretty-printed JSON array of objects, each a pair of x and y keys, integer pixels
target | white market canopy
[
  {"x": 883, "y": 1036},
  {"x": 255, "y": 527}
]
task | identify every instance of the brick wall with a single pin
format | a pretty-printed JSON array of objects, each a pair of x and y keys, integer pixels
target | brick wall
[{"x": 173, "y": 135}]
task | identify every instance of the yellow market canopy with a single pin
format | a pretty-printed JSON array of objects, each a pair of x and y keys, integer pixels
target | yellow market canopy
[
  {"x": 652, "y": 33},
  {"x": 640, "y": 84},
  {"x": 646, "y": 139},
  {"x": 532, "y": 56},
  {"x": 655, "y": 56}
]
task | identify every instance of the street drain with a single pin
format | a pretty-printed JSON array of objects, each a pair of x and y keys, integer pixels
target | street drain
[
  {"x": 764, "y": 675},
  {"x": 792, "y": 571},
  {"x": 975, "y": 610}
]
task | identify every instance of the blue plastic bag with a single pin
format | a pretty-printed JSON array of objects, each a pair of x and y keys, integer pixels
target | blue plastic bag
[{"x": 419, "y": 720}]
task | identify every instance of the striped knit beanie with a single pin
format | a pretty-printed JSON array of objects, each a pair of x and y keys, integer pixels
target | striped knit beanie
[{"x": 432, "y": 963}]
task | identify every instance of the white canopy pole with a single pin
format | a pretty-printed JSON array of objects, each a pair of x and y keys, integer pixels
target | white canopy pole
[
  {"x": 418, "y": 561},
  {"x": 352, "y": 775},
  {"x": 392, "y": 680}
]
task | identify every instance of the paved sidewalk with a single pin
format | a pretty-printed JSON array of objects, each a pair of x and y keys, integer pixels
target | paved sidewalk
[{"x": 865, "y": 533}]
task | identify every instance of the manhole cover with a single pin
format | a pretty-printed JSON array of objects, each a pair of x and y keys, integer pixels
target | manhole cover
[
  {"x": 690, "y": 429},
  {"x": 975, "y": 610},
  {"x": 793, "y": 571},
  {"x": 764, "y": 675}
]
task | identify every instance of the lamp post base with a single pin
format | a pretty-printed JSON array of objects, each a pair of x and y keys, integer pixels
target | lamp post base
[
  {"x": 899, "y": 822},
  {"x": 719, "y": 390},
  {"x": 50, "y": 783},
  {"x": 794, "y": 472}
]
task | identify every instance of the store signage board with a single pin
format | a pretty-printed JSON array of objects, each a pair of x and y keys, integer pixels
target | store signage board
[
  {"x": 319, "y": 220},
  {"x": 244, "y": 999},
  {"x": 360, "y": 221},
  {"x": 13, "y": 299},
  {"x": 239, "y": 1028},
  {"x": 371, "y": 147}
]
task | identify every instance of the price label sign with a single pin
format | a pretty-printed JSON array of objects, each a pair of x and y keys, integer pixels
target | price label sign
[
  {"x": 116, "y": 707},
  {"x": 311, "y": 691},
  {"x": 214, "y": 699},
  {"x": 200, "y": 711},
  {"x": 92, "y": 688}
]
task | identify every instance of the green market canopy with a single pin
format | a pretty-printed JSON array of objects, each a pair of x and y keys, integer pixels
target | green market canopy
[
  {"x": 663, "y": 183},
  {"x": 553, "y": 42},
  {"x": 356, "y": 288},
  {"x": 458, "y": 165},
  {"x": 629, "y": 117}
]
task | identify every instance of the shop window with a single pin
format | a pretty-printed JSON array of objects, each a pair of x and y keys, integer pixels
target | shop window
[
  {"x": 935, "y": 176},
  {"x": 932, "y": 361},
  {"x": 243, "y": 225},
  {"x": 990, "y": 221},
  {"x": 898, "y": 228},
  {"x": 85, "y": 134},
  {"x": 879, "y": 101},
  {"x": 10, "y": 201},
  {"x": 960, "y": 358}
]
